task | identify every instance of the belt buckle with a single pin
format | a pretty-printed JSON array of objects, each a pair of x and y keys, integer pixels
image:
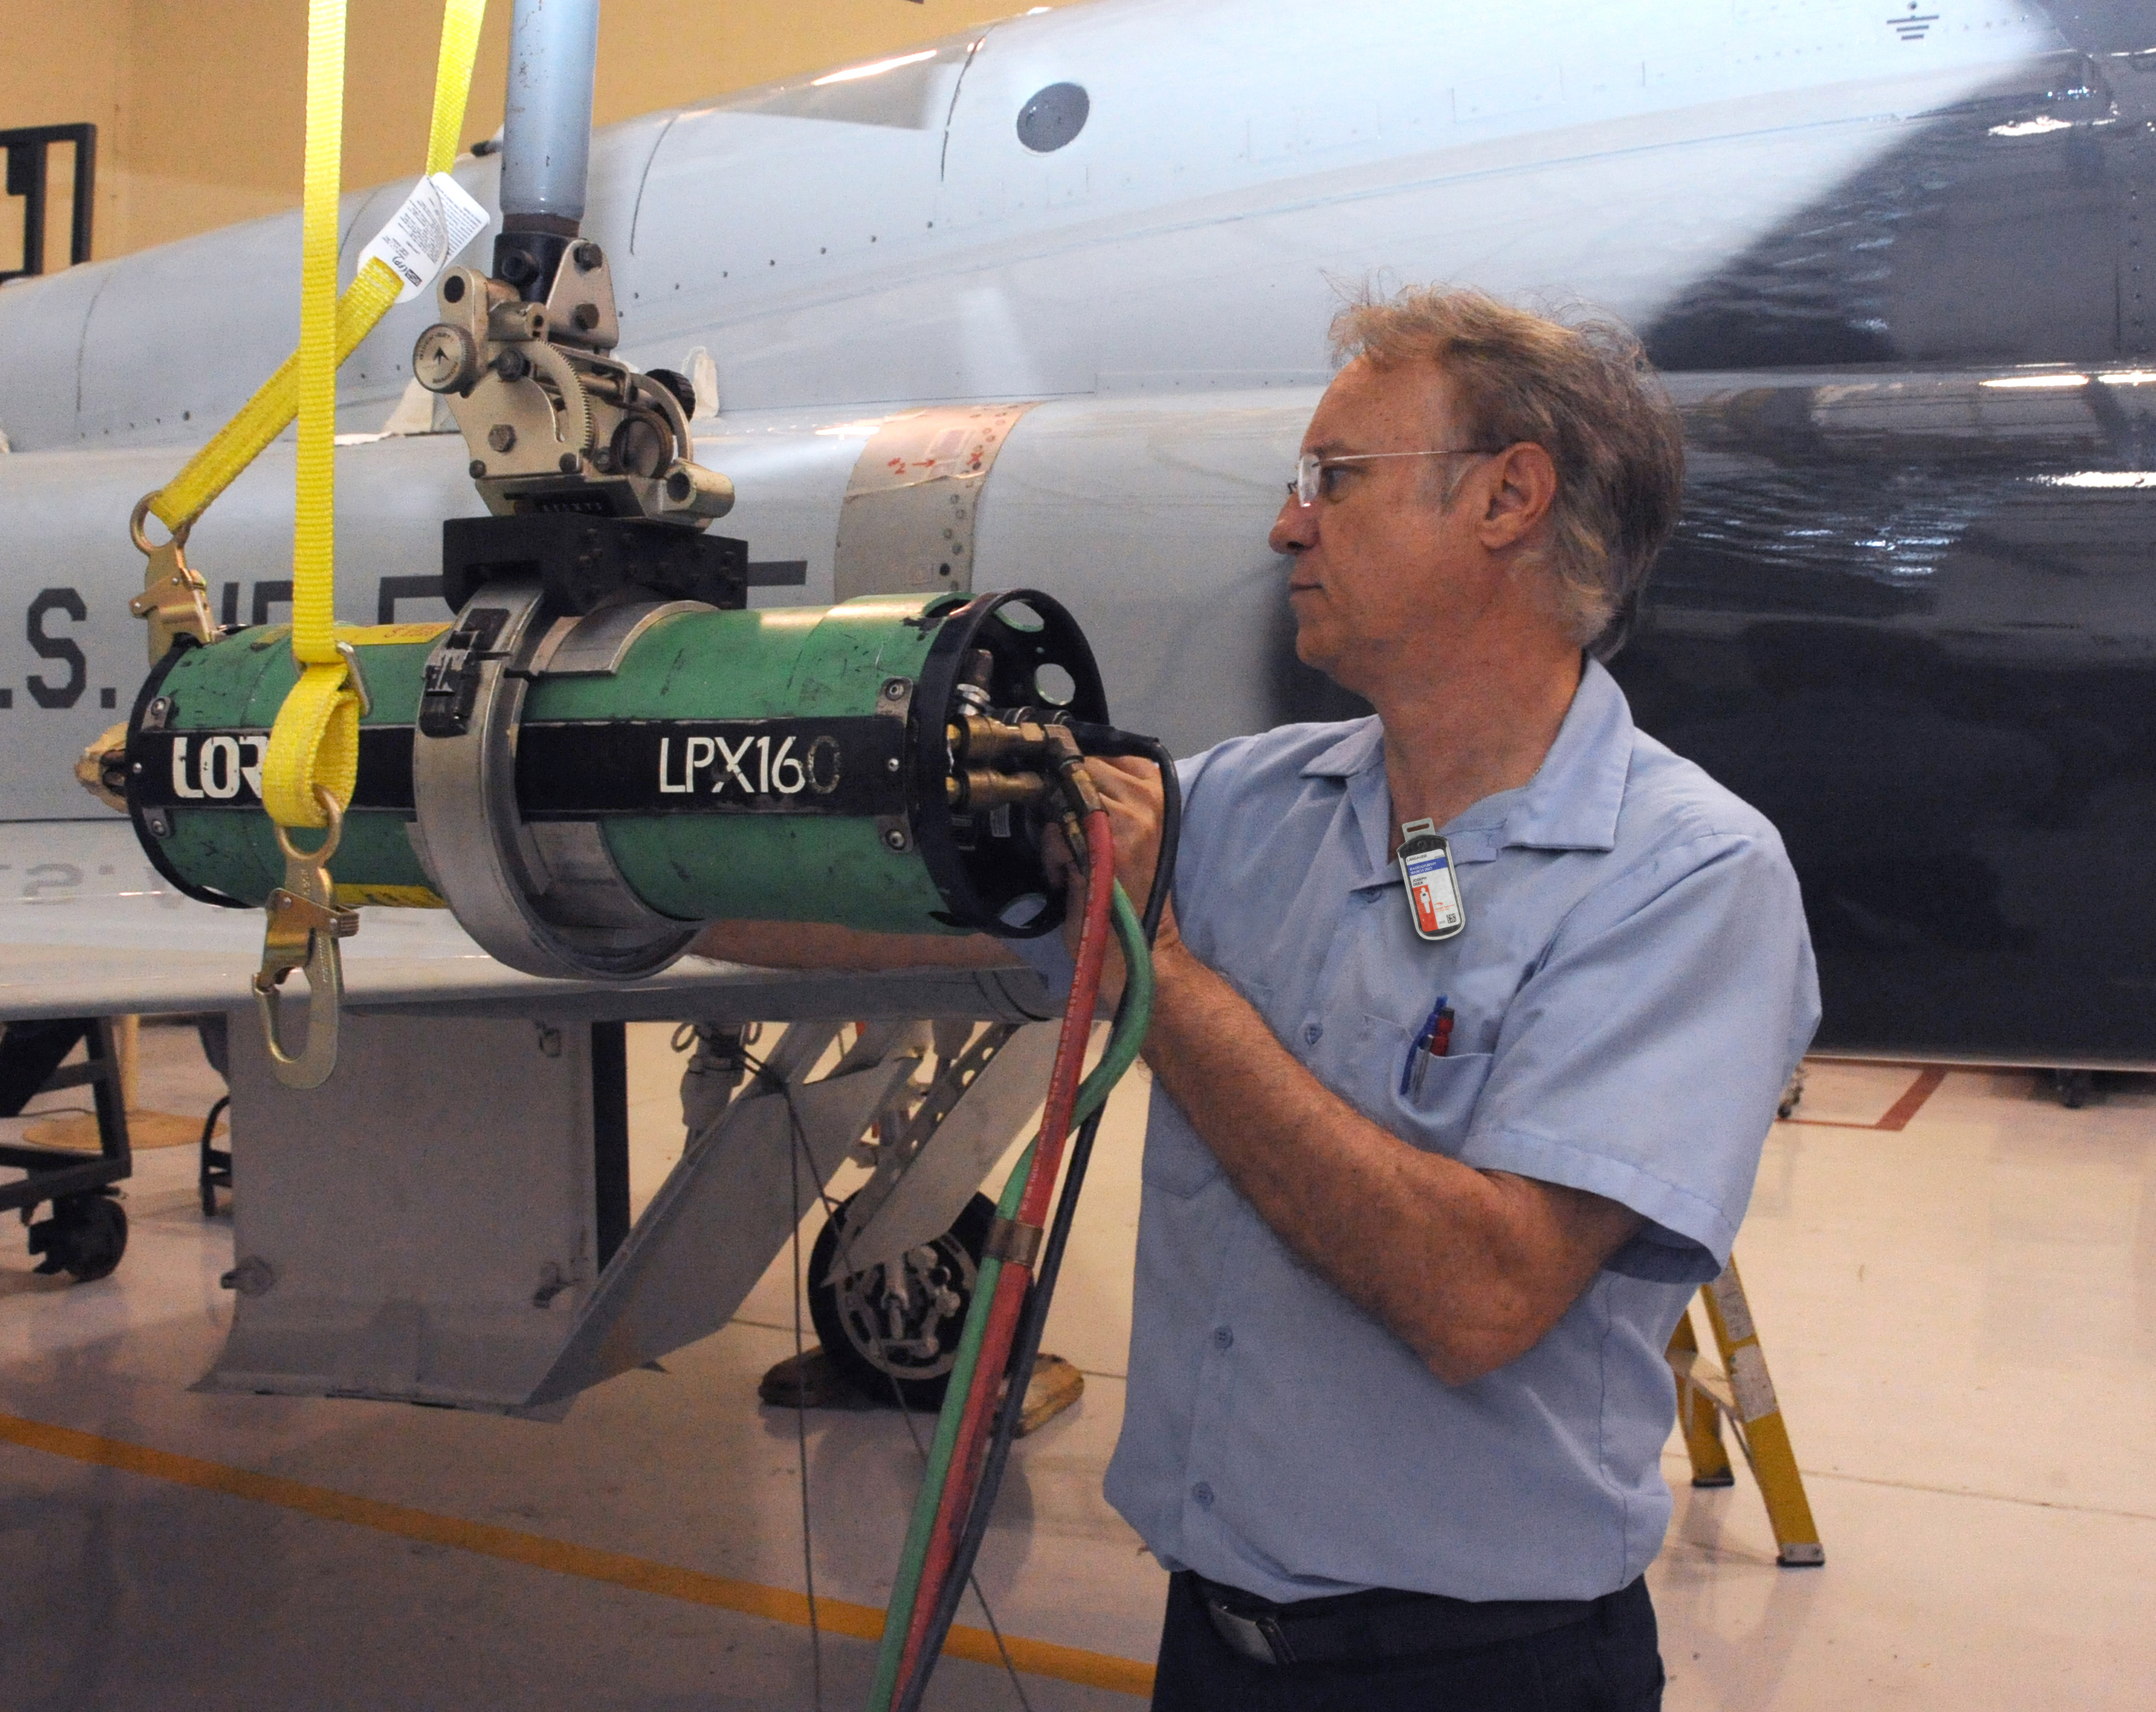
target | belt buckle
[{"x": 1258, "y": 1639}]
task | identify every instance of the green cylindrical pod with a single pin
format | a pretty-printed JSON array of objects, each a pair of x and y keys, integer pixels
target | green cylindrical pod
[{"x": 782, "y": 765}]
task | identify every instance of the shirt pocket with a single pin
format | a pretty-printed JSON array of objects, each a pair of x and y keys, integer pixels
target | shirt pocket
[
  {"x": 1427, "y": 1101},
  {"x": 1176, "y": 1161}
]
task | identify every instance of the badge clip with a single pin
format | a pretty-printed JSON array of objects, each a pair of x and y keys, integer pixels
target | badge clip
[{"x": 1434, "y": 903}]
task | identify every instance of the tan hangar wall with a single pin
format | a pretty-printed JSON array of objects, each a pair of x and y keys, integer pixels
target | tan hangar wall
[{"x": 199, "y": 106}]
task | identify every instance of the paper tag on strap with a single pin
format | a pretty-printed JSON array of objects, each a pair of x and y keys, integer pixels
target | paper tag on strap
[{"x": 438, "y": 219}]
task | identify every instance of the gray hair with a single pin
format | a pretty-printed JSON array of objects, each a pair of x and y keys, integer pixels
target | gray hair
[{"x": 1584, "y": 392}]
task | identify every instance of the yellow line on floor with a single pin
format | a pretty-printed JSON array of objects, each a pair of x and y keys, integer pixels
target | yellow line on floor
[{"x": 1073, "y": 1664}]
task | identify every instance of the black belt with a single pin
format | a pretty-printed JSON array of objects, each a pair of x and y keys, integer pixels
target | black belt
[{"x": 1381, "y": 1622}]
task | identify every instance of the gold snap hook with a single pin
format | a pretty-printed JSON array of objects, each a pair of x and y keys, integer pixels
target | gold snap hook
[
  {"x": 174, "y": 599},
  {"x": 304, "y": 924}
]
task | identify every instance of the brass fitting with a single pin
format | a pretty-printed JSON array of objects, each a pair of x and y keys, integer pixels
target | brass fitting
[
  {"x": 1070, "y": 769},
  {"x": 975, "y": 789},
  {"x": 977, "y": 740}
]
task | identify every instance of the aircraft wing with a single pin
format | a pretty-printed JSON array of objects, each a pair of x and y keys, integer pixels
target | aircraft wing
[{"x": 88, "y": 929}]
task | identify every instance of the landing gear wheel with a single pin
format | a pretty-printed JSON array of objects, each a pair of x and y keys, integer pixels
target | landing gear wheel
[
  {"x": 883, "y": 1331},
  {"x": 86, "y": 1236}
]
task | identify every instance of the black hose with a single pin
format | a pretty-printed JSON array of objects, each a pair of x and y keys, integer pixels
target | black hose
[{"x": 1032, "y": 1319}]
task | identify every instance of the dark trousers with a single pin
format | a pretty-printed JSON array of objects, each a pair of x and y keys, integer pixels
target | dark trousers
[{"x": 1609, "y": 1661}]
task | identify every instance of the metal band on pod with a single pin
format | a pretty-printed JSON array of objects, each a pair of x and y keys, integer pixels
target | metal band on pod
[{"x": 549, "y": 903}]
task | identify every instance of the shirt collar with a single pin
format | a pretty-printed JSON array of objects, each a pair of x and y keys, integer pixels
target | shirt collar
[{"x": 1572, "y": 802}]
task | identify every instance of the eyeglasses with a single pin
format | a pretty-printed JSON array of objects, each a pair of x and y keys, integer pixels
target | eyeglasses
[{"x": 1311, "y": 469}]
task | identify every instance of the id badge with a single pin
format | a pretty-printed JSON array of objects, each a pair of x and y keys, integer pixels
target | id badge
[{"x": 1433, "y": 893}]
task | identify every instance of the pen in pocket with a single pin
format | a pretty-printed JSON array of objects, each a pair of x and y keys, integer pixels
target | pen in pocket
[{"x": 1434, "y": 1038}]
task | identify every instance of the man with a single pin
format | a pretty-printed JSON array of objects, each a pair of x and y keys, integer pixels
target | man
[
  {"x": 1398, "y": 1396},
  {"x": 1421, "y": 1213}
]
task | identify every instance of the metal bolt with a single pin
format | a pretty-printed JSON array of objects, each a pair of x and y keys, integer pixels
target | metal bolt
[
  {"x": 475, "y": 468},
  {"x": 160, "y": 825},
  {"x": 895, "y": 689},
  {"x": 895, "y": 838},
  {"x": 161, "y": 710},
  {"x": 568, "y": 463},
  {"x": 253, "y": 1277},
  {"x": 586, "y": 316},
  {"x": 890, "y": 766},
  {"x": 502, "y": 437},
  {"x": 588, "y": 255},
  {"x": 137, "y": 770}
]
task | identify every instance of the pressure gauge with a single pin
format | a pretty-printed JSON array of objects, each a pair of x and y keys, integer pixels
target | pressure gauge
[{"x": 445, "y": 360}]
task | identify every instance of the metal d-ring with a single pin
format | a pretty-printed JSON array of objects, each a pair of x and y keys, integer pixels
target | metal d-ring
[
  {"x": 140, "y": 515},
  {"x": 332, "y": 812}
]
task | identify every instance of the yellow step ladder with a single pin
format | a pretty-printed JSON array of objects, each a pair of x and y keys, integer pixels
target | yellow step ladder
[{"x": 1741, "y": 1390}]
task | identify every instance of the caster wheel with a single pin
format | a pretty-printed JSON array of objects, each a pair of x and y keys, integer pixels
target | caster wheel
[
  {"x": 86, "y": 1236},
  {"x": 904, "y": 1331}
]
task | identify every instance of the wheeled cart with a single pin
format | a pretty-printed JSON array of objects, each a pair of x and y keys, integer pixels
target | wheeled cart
[{"x": 86, "y": 1232}]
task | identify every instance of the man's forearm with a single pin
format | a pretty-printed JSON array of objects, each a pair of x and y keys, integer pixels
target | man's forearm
[{"x": 1468, "y": 1268}]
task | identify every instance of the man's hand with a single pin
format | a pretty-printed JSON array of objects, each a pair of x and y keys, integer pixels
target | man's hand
[{"x": 1131, "y": 792}]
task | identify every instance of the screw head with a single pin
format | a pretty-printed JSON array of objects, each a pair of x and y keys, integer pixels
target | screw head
[
  {"x": 160, "y": 826},
  {"x": 892, "y": 765},
  {"x": 568, "y": 463},
  {"x": 475, "y": 468},
  {"x": 895, "y": 689},
  {"x": 895, "y": 838},
  {"x": 502, "y": 437},
  {"x": 588, "y": 255},
  {"x": 586, "y": 316}
]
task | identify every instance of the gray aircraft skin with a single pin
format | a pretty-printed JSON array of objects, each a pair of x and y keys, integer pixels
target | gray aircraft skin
[{"x": 1895, "y": 263}]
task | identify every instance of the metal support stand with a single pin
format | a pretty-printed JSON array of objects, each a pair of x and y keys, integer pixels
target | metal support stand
[
  {"x": 87, "y": 1233},
  {"x": 1742, "y": 1392}
]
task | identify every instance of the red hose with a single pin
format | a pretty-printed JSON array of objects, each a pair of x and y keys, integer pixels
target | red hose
[{"x": 958, "y": 1488}]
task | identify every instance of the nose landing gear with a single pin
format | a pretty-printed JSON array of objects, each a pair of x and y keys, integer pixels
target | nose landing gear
[{"x": 885, "y": 1332}]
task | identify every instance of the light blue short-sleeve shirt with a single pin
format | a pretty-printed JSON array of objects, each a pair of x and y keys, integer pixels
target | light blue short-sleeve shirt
[{"x": 1632, "y": 989}]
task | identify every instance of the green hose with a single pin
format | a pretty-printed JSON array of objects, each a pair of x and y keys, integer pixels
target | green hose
[
  {"x": 905, "y": 1589},
  {"x": 1133, "y": 1017}
]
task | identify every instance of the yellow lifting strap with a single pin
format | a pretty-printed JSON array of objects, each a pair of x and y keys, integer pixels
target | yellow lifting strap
[
  {"x": 314, "y": 741},
  {"x": 264, "y": 416}
]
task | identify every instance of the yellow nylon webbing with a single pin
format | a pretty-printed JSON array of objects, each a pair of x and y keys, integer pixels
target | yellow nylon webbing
[
  {"x": 315, "y": 741},
  {"x": 452, "y": 76},
  {"x": 264, "y": 417},
  {"x": 315, "y": 738}
]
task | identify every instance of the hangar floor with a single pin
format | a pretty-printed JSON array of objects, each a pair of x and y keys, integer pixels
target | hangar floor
[{"x": 1955, "y": 1281}]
